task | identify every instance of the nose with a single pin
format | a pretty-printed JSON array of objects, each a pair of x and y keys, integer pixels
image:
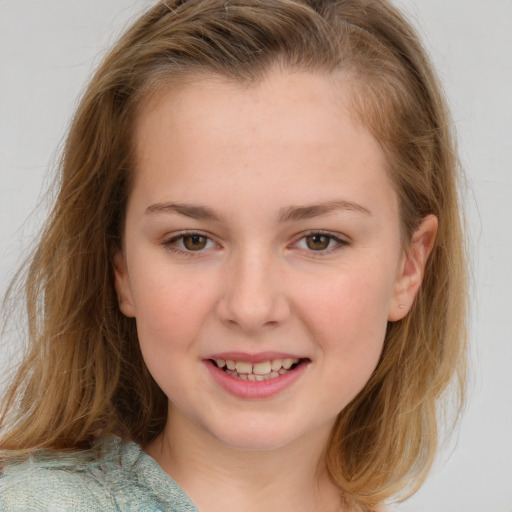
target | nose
[{"x": 253, "y": 296}]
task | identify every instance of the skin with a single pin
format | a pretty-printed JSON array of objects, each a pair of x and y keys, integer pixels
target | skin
[{"x": 255, "y": 157}]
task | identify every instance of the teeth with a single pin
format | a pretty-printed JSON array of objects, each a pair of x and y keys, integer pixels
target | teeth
[
  {"x": 258, "y": 371},
  {"x": 276, "y": 364},
  {"x": 256, "y": 378},
  {"x": 242, "y": 367},
  {"x": 262, "y": 368}
]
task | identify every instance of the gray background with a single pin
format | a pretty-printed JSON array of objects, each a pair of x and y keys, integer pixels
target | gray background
[{"x": 49, "y": 48}]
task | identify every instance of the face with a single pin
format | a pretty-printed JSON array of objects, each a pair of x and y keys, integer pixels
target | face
[{"x": 262, "y": 255}]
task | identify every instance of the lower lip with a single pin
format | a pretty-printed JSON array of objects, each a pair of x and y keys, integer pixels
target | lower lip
[{"x": 255, "y": 390}]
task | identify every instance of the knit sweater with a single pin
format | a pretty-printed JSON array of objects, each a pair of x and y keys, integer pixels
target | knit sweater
[{"x": 122, "y": 479}]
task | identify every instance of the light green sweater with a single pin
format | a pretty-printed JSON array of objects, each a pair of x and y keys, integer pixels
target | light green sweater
[{"x": 123, "y": 479}]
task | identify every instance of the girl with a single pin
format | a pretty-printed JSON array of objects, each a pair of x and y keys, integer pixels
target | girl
[{"x": 250, "y": 293}]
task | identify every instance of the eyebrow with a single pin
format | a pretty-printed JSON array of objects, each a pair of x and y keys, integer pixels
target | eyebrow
[
  {"x": 294, "y": 213},
  {"x": 186, "y": 210},
  {"x": 287, "y": 214}
]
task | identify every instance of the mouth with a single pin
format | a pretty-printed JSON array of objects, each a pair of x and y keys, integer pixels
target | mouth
[
  {"x": 258, "y": 372},
  {"x": 256, "y": 376}
]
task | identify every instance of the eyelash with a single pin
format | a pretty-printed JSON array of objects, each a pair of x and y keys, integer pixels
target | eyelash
[
  {"x": 170, "y": 243},
  {"x": 339, "y": 242}
]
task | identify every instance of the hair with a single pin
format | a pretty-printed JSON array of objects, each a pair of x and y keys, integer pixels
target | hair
[{"x": 83, "y": 376}]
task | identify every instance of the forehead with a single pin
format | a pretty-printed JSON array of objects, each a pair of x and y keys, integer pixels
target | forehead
[
  {"x": 217, "y": 99},
  {"x": 290, "y": 129}
]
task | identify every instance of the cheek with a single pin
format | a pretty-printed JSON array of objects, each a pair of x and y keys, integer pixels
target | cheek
[
  {"x": 354, "y": 301},
  {"x": 169, "y": 317},
  {"x": 350, "y": 333},
  {"x": 348, "y": 319},
  {"x": 169, "y": 310}
]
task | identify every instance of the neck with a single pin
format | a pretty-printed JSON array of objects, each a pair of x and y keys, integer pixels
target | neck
[{"x": 218, "y": 477}]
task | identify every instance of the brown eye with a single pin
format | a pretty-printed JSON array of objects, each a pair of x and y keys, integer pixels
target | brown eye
[
  {"x": 195, "y": 242},
  {"x": 318, "y": 242}
]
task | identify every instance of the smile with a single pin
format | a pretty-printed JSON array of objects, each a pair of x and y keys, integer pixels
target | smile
[
  {"x": 256, "y": 372},
  {"x": 259, "y": 376}
]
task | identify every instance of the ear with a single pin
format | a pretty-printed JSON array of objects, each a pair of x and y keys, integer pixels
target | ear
[
  {"x": 412, "y": 268},
  {"x": 122, "y": 285}
]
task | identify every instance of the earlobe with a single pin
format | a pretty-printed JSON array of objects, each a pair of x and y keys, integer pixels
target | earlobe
[
  {"x": 412, "y": 268},
  {"x": 122, "y": 285}
]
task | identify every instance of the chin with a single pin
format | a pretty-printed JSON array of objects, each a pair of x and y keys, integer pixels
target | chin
[
  {"x": 255, "y": 441},
  {"x": 264, "y": 434}
]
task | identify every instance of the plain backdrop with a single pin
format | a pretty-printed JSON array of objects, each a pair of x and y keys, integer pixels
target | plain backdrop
[{"x": 49, "y": 48}]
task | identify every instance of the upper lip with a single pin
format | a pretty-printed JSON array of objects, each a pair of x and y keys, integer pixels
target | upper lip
[{"x": 253, "y": 358}]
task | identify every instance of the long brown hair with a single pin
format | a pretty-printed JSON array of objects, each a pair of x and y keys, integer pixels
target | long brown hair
[{"x": 83, "y": 376}]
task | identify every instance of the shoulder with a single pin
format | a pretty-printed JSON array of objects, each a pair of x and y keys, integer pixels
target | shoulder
[
  {"x": 34, "y": 486},
  {"x": 119, "y": 477}
]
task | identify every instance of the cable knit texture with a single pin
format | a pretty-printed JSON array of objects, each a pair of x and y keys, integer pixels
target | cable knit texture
[{"x": 123, "y": 478}]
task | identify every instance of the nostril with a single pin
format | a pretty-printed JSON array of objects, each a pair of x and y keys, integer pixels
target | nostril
[{"x": 251, "y": 306}]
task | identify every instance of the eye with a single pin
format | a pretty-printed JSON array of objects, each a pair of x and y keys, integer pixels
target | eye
[
  {"x": 190, "y": 242},
  {"x": 194, "y": 242},
  {"x": 319, "y": 242}
]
